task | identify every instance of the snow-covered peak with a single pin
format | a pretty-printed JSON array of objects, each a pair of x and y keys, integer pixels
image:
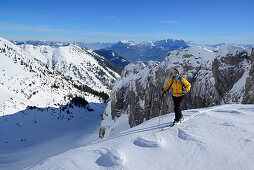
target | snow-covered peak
[
  {"x": 193, "y": 56},
  {"x": 194, "y": 51},
  {"x": 131, "y": 43},
  {"x": 226, "y": 49}
]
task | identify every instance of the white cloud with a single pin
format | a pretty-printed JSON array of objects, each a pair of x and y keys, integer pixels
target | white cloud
[{"x": 171, "y": 21}]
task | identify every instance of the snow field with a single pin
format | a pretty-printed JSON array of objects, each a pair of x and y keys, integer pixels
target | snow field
[{"x": 221, "y": 137}]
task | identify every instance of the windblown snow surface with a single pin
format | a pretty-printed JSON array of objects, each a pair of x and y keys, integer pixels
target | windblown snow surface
[{"x": 220, "y": 137}]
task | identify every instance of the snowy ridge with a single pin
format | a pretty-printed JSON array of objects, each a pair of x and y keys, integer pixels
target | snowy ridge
[
  {"x": 76, "y": 62},
  {"x": 27, "y": 81},
  {"x": 218, "y": 138},
  {"x": 194, "y": 56},
  {"x": 228, "y": 49}
]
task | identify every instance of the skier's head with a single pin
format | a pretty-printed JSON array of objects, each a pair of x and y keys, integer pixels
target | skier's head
[{"x": 176, "y": 72}]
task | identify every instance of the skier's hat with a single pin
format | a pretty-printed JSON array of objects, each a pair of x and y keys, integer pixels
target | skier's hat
[{"x": 176, "y": 71}]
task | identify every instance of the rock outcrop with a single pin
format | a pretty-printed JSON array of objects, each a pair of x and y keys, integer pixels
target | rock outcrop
[{"x": 249, "y": 85}]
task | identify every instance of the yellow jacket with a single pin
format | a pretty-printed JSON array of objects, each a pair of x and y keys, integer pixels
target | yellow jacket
[{"x": 177, "y": 86}]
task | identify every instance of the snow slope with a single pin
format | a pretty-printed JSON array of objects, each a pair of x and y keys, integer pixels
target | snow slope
[
  {"x": 32, "y": 135},
  {"x": 220, "y": 137}
]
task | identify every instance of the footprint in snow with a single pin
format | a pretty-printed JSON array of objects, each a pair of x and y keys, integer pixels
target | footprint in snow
[
  {"x": 109, "y": 158},
  {"x": 184, "y": 136},
  {"x": 144, "y": 143}
]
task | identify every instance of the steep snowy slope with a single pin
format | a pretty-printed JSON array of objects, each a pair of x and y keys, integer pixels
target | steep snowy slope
[
  {"x": 220, "y": 137},
  {"x": 81, "y": 64}
]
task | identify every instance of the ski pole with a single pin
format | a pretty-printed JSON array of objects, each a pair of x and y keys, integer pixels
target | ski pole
[{"x": 160, "y": 109}]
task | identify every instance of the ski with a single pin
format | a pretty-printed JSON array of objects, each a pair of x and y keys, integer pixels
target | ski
[
  {"x": 171, "y": 125},
  {"x": 167, "y": 127}
]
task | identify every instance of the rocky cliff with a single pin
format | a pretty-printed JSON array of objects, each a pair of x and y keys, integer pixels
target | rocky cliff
[{"x": 225, "y": 76}]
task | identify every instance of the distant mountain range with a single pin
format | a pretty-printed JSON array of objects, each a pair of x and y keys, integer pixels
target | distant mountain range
[
  {"x": 41, "y": 42},
  {"x": 93, "y": 46},
  {"x": 147, "y": 50},
  {"x": 133, "y": 51}
]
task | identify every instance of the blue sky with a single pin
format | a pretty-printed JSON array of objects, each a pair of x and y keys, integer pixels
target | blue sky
[{"x": 205, "y": 22}]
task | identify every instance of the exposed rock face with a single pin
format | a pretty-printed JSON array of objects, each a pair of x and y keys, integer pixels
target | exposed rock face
[
  {"x": 227, "y": 71},
  {"x": 249, "y": 86},
  {"x": 216, "y": 77}
]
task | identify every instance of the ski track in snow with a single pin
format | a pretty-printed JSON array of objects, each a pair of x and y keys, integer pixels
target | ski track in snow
[{"x": 220, "y": 137}]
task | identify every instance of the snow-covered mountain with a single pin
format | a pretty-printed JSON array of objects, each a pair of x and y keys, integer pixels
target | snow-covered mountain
[
  {"x": 220, "y": 137},
  {"x": 225, "y": 76},
  {"x": 25, "y": 80},
  {"x": 148, "y": 50},
  {"x": 80, "y": 64},
  {"x": 215, "y": 47},
  {"x": 114, "y": 57},
  {"x": 46, "y": 111}
]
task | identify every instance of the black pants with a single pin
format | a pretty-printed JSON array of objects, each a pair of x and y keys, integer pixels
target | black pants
[{"x": 177, "y": 108}]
